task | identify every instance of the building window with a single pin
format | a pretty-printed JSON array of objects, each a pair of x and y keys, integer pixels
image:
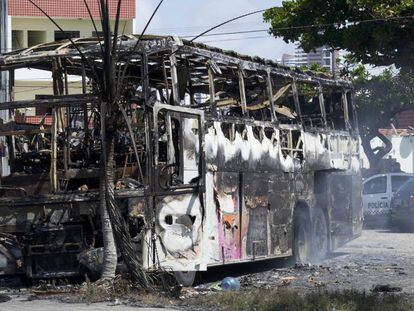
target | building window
[
  {"x": 59, "y": 36},
  {"x": 96, "y": 34},
  {"x": 35, "y": 37},
  {"x": 100, "y": 33},
  {"x": 18, "y": 39}
]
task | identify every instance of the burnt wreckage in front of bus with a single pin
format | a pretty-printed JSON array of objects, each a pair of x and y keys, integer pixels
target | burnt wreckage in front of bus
[{"x": 221, "y": 154}]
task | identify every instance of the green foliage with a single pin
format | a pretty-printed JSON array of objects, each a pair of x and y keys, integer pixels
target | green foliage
[
  {"x": 380, "y": 97},
  {"x": 336, "y": 23},
  {"x": 316, "y": 68}
]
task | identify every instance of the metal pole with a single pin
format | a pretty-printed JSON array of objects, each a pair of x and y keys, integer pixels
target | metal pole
[
  {"x": 242, "y": 93},
  {"x": 4, "y": 89},
  {"x": 270, "y": 94},
  {"x": 3, "y": 49}
]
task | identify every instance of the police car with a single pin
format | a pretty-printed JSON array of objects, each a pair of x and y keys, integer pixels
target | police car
[{"x": 377, "y": 194}]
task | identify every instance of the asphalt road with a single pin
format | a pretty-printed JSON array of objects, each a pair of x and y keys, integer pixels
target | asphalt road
[{"x": 376, "y": 258}]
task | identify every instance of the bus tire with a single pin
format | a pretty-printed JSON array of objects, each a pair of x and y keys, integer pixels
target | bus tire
[
  {"x": 320, "y": 236},
  {"x": 302, "y": 239},
  {"x": 185, "y": 278}
]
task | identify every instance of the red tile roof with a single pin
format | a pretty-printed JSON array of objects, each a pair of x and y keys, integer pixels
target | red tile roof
[
  {"x": 69, "y": 8},
  {"x": 404, "y": 119},
  {"x": 33, "y": 120},
  {"x": 396, "y": 132}
]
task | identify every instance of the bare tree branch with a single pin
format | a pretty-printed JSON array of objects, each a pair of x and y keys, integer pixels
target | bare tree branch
[
  {"x": 122, "y": 77},
  {"x": 94, "y": 24}
]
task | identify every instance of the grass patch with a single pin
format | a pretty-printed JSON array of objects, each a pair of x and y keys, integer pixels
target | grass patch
[
  {"x": 120, "y": 290},
  {"x": 275, "y": 300}
]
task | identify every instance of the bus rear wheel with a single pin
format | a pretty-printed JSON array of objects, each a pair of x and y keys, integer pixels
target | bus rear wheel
[
  {"x": 185, "y": 278},
  {"x": 320, "y": 237},
  {"x": 302, "y": 239}
]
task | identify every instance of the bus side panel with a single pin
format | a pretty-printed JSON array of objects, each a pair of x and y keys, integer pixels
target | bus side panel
[
  {"x": 282, "y": 202},
  {"x": 256, "y": 203},
  {"x": 267, "y": 199},
  {"x": 211, "y": 247},
  {"x": 339, "y": 192},
  {"x": 229, "y": 215}
]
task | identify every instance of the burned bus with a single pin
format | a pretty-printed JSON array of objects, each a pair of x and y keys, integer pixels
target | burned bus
[{"x": 223, "y": 158}]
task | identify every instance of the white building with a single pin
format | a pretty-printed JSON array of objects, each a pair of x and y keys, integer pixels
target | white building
[
  {"x": 402, "y": 149},
  {"x": 323, "y": 56}
]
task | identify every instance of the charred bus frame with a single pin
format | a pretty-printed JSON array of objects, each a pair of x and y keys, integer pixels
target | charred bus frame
[{"x": 223, "y": 158}]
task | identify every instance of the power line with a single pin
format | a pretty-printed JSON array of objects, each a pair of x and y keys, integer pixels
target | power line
[
  {"x": 304, "y": 26},
  {"x": 229, "y": 33},
  {"x": 281, "y": 28},
  {"x": 206, "y": 26},
  {"x": 285, "y": 28},
  {"x": 236, "y": 39},
  {"x": 225, "y": 23}
]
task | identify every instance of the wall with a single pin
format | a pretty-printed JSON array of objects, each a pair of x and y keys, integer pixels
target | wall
[
  {"x": 84, "y": 26},
  {"x": 402, "y": 151},
  {"x": 30, "y": 82},
  {"x": 404, "y": 119}
]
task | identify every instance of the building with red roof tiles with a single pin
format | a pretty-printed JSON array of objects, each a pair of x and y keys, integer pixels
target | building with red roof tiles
[{"x": 29, "y": 25}]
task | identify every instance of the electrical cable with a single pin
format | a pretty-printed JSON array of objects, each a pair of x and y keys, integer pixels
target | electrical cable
[
  {"x": 300, "y": 27},
  {"x": 236, "y": 39}
]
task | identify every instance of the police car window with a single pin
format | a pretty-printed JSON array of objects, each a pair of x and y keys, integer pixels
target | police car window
[
  {"x": 376, "y": 185},
  {"x": 407, "y": 188},
  {"x": 398, "y": 181}
]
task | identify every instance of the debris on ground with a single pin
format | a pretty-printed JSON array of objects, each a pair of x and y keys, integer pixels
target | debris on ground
[
  {"x": 386, "y": 289},
  {"x": 230, "y": 284},
  {"x": 4, "y": 298},
  {"x": 287, "y": 280}
]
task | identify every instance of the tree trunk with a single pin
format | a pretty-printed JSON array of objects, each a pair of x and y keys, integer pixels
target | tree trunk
[
  {"x": 119, "y": 226},
  {"x": 110, "y": 259},
  {"x": 110, "y": 255}
]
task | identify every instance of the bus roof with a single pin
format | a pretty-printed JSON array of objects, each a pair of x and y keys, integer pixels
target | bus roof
[{"x": 40, "y": 56}]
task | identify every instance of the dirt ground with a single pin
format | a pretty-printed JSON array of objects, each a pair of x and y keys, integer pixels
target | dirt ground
[{"x": 379, "y": 261}]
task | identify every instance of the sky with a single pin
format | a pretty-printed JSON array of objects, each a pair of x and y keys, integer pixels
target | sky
[{"x": 191, "y": 17}]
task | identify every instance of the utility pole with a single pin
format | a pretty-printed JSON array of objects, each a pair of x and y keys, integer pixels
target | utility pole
[
  {"x": 3, "y": 49},
  {"x": 4, "y": 89}
]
